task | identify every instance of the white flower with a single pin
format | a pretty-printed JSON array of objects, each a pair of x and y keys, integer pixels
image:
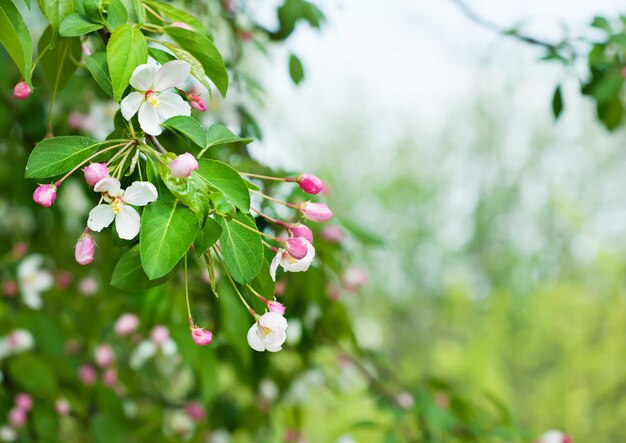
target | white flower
[
  {"x": 126, "y": 217},
  {"x": 154, "y": 104},
  {"x": 17, "y": 341},
  {"x": 291, "y": 264},
  {"x": 33, "y": 281},
  {"x": 268, "y": 333},
  {"x": 554, "y": 436}
]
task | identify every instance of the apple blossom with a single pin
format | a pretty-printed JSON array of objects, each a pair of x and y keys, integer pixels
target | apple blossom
[
  {"x": 196, "y": 102},
  {"x": 201, "y": 336},
  {"x": 20, "y": 340},
  {"x": 195, "y": 411},
  {"x": 405, "y": 400},
  {"x": 183, "y": 165},
  {"x": 126, "y": 324},
  {"x": 300, "y": 230},
  {"x": 109, "y": 378},
  {"x": 554, "y": 436},
  {"x": 18, "y": 417},
  {"x": 310, "y": 183},
  {"x": 153, "y": 102},
  {"x": 104, "y": 356},
  {"x": 24, "y": 401},
  {"x": 45, "y": 195},
  {"x": 297, "y": 247},
  {"x": 275, "y": 306},
  {"x": 268, "y": 332},
  {"x": 87, "y": 374},
  {"x": 290, "y": 263},
  {"x": 33, "y": 281},
  {"x": 126, "y": 217},
  {"x": 7, "y": 434},
  {"x": 317, "y": 212},
  {"x": 95, "y": 172},
  {"x": 88, "y": 286},
  {"x": 355, "y": 278},
  {"x": 159, "y": 335},
  {"x": 62, "y": 407},
  {"x": 84, "y": 249},
  {"x": 21, "y": 91}
]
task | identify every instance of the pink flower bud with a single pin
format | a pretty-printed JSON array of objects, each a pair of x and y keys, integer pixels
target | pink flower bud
[
  {"x": 17, "y": 417},
  {"x": 104, "y": 356},
  {"x": 333, "y": 292},
  {"x": 62, "y": 407},
  {"x": 317, "y": 212},
  {"x": 84, "y": 249},
  {"x": 197, "y": 102},
  {"x": 45, "y": 195},
  {"x": 310, "y": 183},
  {"x": 275, "y": 306},
  {"x": 297, "y": 247},
  {"x": 20, "y": 249},
  {"x": 24, "y": 401},
  {"x": 21, "y": 91},
  {"x": 568, "y": 439},
  {"x": 333, "y": 234},
  {"x": 159, "y": 335},
  {"x": 301, "y": 230},
  {"x": 405, "y": 400},
  {"x": 109, "y": 378},
  {"x": 10, "y": 288},
  {"x": 246, "y": 35},
  {"x": 183, "y": 165},
  {"x": 87, "y": 374},
  {"x": 182, "y": 25},
  {"x": 195, "y": 411},
  {"x": 95, "y": 172},
  {"x": 126, "y": 324},
  {"x": 201, "y": 336},
  {"x": 88, "y": 286},
  {"x": 280, "y": 288},
  {"x": 64, "y": 280},
  {"x": 355, "y": 278}
]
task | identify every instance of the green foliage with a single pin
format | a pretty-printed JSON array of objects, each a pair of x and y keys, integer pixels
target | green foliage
[
  {"x": 207, "y": 236},
  {"x": 55, "y": 156},
  {"x": 296, "y": 70},
  {"x": 129, "y": 275},
  {"x": 97, "y": 65},
  {"x": 188, "y": 127},
  {"x": 227, "y": 181},
  {"x": 75, "y": 25},
  {"x": 242, "y": 248},
  {"x": 126, "y": 50},
  {"x": 58, "y": 61},
  {"x": 15, "y": 37}
]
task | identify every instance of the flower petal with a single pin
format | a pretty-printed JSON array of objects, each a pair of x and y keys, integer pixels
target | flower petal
[
  {"x": 274, "y": 265},
  {"x": 127, "y": 223},
  {"x": 302, "y": 264},
  {"x": 171, "y": 74},
  {"x": 140, "y": 193},
  {"x": 109, "y": 185},
  {"x": 29, "y": 265},
  {"x": 32, "y": 299},
  {"x": 254, "y": 340},
  {"x": 131, "y": 103},
  {"x": 172, "y": 105},
  {"x": 100, "y": 217},
  {"x": 143, "y": 77},
  {"x": 149, "y": 119},
  {"x": 273, "y": 320}
]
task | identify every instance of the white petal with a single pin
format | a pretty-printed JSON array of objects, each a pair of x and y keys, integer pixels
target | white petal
[
  {"x": 131, "y": 103},
  {"x": 254, "y": 340},
  {"x": 140, "y": 193},
  {"x": 100, "y": 217},
  {"x": 127, "y": 223},
  {"x": 41, "y": 281},
  {"x": 143, "y": 77},
  {"x": 273, "y": 320},
  {"x": 274, "y": 265},
  {"x": 29, "y": 265},
  {"x": 109, "y": 185},
  {"x": 32, "y": 299},
  {"x": 172, "y": 105},
  {"x": 171, "y": 74},
  {"x": 149, "y": 119}
]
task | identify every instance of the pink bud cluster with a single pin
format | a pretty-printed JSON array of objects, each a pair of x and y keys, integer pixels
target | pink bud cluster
[
  {"x": 18, "y": 415},
  {"x": 104, "y": 358}
]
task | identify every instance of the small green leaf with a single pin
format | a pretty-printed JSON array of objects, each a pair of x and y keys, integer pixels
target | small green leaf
[
  {"x": 205, "y": 51},
  {"x": 56, "y": 63},
  {"x": 178, "y": 15},
  {"x": 167, "y": 232},
  {"x": 97, "y": 65},
  {"x": 220, "y": 135},
  {"x": 160, "y": 55},
  {"x": 207, "y": 236},
  {"x": 139, "y": 11},
  {"x": 126, "y": 50},
  {"x": 57, "y": 155},
  {"x": 243, "y": 250},
  {"x": 226, "y": 180},
  {"x": 75, "y": 25},
  {"x": 116, "y": 14},
  {"x": 189, "y": 127},
  {"x": 55, "y": 11},
  {"x": 557, "y": 103},
  {"x": 16, "y": 38},
  {"x": 128, "y": 274},
  {"x": 296, "y": 70}
]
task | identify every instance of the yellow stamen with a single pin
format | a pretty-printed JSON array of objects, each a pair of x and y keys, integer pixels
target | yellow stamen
[
  {"x": 153, "y": 99},
  {"x": 116, "y": 205}
]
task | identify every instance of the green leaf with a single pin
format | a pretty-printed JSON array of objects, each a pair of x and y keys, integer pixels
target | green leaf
[
  {"x": 116, "y": 14},
  {"x": 557, "y": 103},
  {"x": 56, "y": 63},
  {"x": 32, "y": 374},
  {"x": 192, "y": 191},
  {"x": 57, "y": 155},
  {"x": 178, "y": 15},
  {"x": 139, "y": 11},
  {"x": 75, "y": 25},
  {"x": 226, "y": 180},
  {"x": 207, "y": 236},
  {"x": 263, "y": 282},
  {"x": 126, "y": 50},
  {"x": 128, "y": 274},
  {"x": 15, "y": 37},
  {"x": 243, "y": 250},
  {"x": 296, "y": 70},
  {"x": 97, "y": 65},
  {"x": 188, "y": 127},
  {"x": 220, "y": 135},
  {"x": 160, "y": 55},
  {"x": 167, "y": 232},
  {"x": 196, "y": 67},
  {"x": 55, "y": 11},
  {"x": 205, "y": 51}
]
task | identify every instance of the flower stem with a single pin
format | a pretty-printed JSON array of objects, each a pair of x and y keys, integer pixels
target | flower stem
[
  {"x": 88, "y": 159},
  {"x": 262, "y": 298},
  {"x": 267, "y": 217},
  {"x": 280, "y": 202},
  {"x": 232, "y": 282},
  {"x": 250, "y": 228},
  {"x": 264, "y": 177},
  {"x": 156, "y": 144},
  {"x": 187, "y": 293}
]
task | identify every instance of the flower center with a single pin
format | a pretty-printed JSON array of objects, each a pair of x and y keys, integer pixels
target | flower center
[
  {"x": 264, "y": 329},
  {"x": 116, "y": 205},
  {"x": 153, "y": 99}
]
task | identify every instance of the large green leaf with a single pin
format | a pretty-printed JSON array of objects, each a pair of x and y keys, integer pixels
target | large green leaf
[
  {"x": 128, "y": 274},
  {"x": 57, "y": 155},
  {"x": 57, "y": 62},
  {"x": 15, "y": 37},
  {"x": 243, "y": 250},
  {"x": 196, "y": 67},
  {"x": 97, "y": 65},
  {"x": 167, "y": 232},
  {"x": 226, "y": 180},
  {"x": 75, "y": 25},
  {"x": 203, "y": 49},
  {"x": 220, "y": 135},
  {"x": 55, "y": 11},
  {"x": 126, "y": 50},
  {"x": 188, "y": 127},
  {"x": 207, "y": 236},
  {"x": 178, "y": 15}
]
